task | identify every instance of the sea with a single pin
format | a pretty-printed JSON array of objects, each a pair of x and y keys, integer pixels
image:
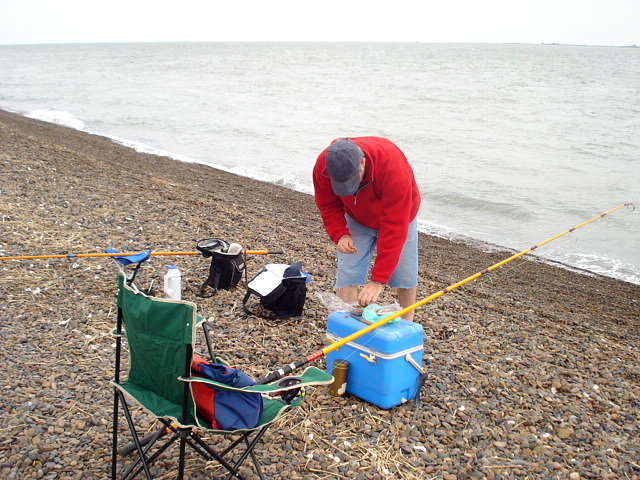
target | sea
[{"x": 511, "y": 144}]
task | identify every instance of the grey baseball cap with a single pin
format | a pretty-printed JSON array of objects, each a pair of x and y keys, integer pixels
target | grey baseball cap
[{"x": 343, "y": 166}]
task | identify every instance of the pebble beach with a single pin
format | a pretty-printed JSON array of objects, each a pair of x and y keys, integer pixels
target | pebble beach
[{"x": 533, "y": 371}]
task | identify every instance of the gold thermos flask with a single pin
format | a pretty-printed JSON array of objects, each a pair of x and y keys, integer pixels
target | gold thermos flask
[{"x": 339, "y": 385}]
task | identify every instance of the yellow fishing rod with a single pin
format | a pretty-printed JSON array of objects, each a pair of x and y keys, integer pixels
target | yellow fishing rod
[{"x": 284, "y": 370}]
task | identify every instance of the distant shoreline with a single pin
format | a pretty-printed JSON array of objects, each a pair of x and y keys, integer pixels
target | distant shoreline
[
  {"x": 423, "y": 226},
  {"x": 257, "y": 42}
]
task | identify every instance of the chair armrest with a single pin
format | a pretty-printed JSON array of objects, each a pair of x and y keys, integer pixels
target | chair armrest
[{"x": 311, "y": 376}]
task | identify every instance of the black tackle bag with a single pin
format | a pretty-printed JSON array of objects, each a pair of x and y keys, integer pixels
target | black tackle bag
[
  {"x": 281, "y": 288},
  {"x": 227, "y": 264}
]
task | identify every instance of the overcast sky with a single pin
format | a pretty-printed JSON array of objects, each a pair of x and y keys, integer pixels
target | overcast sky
[{"x": 591, "y": 22}]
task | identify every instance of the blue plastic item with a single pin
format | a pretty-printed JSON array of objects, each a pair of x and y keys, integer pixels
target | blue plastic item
[
  {"x": 374, "y": 312},
  {"x": 382, "y": 363},
  {"x": 129, "y": 259}
]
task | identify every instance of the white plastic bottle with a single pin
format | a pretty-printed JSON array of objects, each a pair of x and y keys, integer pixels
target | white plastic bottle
[{"x": 172, "y": 283}]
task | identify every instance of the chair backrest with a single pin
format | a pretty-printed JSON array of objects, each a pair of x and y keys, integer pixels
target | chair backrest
[{"x": 160, "y": 335}]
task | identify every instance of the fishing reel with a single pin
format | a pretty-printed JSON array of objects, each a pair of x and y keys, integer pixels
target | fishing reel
[{"x": 287, "y": 396}]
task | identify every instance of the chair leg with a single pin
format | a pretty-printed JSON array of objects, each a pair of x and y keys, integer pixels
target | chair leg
[
  {"x": 182, "y": 454},
  {"x": 130, "y": 473},
  {"x": 186, "y": 437},
  {"x": 190, "y": 438},
  {"x": 132, "y": 428},
  {"x": 207, "y": 339},
  {"x": 249, "y": 451},
  {"x": 114, "y": 438},
  {"x": 151, "y": 438},
  {"x": 143, "y": 462},
  {"x": 218, "y": 457},
  {"x": 255, "y": 462}
]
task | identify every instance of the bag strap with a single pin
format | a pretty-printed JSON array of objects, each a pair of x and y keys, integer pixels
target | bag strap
[
  {"x": 203, "y": 287},
  {"x": 251, "y": 312}
]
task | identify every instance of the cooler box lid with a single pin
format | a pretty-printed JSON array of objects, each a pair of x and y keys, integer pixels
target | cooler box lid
[{"x": 387, "y": 339}]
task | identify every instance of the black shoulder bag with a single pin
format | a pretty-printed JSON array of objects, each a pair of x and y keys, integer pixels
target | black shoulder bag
[
  {"x": 227, "y": 265},
  {"x": 282, "y": 289}
]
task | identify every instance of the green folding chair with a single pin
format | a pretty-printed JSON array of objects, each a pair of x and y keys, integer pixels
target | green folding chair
[{"x": 160, "y": 335}]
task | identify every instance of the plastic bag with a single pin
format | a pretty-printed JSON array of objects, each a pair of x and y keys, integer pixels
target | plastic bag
[
  {"x": 374, "y": 312},
  {"x": 370, "y": 314},
  {"x": 333, "y": 303}
]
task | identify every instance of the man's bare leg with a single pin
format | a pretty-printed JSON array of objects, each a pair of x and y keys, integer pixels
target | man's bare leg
[
  {"x": 407, "y": 297},
  {"x": 348, "y": 294}
]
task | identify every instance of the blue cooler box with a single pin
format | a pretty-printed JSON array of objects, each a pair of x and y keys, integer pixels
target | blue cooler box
[{"x": 384, "y": 364}]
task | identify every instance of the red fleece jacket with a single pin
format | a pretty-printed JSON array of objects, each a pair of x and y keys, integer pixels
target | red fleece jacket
[{"x": 388, "y": 200}]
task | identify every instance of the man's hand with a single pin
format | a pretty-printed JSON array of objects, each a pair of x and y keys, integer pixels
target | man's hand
[
  {"x": 345, "y": 245},
  {"x": 370, "y": 293}
]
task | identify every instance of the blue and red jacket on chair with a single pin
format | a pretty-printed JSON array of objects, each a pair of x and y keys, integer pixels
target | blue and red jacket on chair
[{"x": 224, "y": 409}]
